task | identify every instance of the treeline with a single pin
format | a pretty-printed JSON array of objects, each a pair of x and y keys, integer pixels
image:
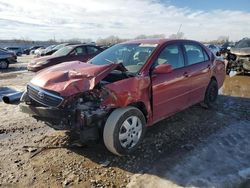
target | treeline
[{"x": 110, "y": 40}]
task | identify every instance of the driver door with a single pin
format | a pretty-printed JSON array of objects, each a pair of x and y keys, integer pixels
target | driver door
[{"x": 170, "y": 90}]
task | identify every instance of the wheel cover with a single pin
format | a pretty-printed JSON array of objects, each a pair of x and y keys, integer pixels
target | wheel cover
[
  {"x": 3, "y": 64},
  {"x": 130, "y": 132}
]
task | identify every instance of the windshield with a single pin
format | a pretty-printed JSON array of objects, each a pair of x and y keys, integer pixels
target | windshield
[
  {"x": 245, "y": 43},
  {"x": 59, "y": 46},
  {"x": 63, "y": 51},
  {"x": 132, "y": 56}
]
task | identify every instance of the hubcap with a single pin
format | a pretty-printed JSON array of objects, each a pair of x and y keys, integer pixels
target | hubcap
[
  {"x": 3, "y": 64},
  {"x": 130, "y": 132}
]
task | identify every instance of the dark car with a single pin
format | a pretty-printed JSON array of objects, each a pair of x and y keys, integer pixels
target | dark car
[
  {"x": 225, "y": 48},
  {"x": 239, "y": 57},
  {"x": 124, "y": 89},
  {"x": 214, "y": 48},
  {"x": 6, "y": 57},
  {"x": 17, "y": 50},
  {"x": 57, "y": 47},
  {"x": 82, "y": 52}
]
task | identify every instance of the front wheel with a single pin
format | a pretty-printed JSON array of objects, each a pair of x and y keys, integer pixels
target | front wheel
[
  {"x": 211, "y": 93},
  {"x": 4, "y": 64},
  {"x": 124, "y": 130}
]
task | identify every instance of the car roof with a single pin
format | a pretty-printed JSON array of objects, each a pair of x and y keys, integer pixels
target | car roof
[
  {"x": 156, "y": 41},
  {"x": 83, "y": 44}
]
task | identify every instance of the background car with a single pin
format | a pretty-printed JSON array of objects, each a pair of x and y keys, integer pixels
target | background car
[
  {"x": 32, "y": 48},
  {"x": 239, "y": 57},
  {"x": 225, "y": 48},
  {"x": 80, "y": 52},
  {"x": 214, "y": 48},
  {"x": 38, "y": 51},
  {"x": 17, "y": 50},
  {"x": 55, "y": 48},
  {"x": 6, "y": 57},
  {"x": 47, "y": 50}
]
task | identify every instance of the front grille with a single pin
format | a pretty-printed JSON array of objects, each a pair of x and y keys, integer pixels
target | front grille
[{"x": 43, "y": 97}]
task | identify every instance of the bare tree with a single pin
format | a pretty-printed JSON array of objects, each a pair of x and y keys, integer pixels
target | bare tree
[
  {"x": 111, "y": 40},
  {"x": 150, "y": 36},
  {"x": 179, "y": 35}
]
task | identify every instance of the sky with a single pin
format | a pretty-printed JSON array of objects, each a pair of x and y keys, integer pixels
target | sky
[{"x": 66, "y": 19}]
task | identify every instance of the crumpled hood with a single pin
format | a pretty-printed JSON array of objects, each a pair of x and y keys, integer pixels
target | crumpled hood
[
  {"x": 73, "y": 77},
  {"x": 240, "y": 51}
]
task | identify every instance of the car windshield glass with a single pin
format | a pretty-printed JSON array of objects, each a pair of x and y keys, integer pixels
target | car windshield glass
[
  {"x": 132, "y": 56},
  {"x": 63, "y": 51},
  {"x": 245, "y": 43},
  {"x": 59, "y": 46}
]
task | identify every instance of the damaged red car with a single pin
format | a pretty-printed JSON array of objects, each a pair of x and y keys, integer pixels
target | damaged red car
[{"x": 124, "y": 89}]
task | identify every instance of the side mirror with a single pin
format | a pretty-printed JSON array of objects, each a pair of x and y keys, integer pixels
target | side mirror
[{"x": 162, "y": 69}]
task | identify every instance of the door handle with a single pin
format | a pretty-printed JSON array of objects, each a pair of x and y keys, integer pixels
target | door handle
[{"x": 185, "y": 74}]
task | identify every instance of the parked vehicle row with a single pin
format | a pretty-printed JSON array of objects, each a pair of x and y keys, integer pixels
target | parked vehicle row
[
  {"x": 121, "y": 91},
  {"x": 6, "y": 58}
]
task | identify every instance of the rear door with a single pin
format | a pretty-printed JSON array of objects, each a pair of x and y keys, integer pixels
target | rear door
[
  {"x": 198, "y": 70},
  {"x": 93, "y": 51},
  {"x": 170, "y": 90}
]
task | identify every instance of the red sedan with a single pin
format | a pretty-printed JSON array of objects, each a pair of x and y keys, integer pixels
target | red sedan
[
  {"x": 124, "y": 89},
  {"x": 80, "y": 52}
]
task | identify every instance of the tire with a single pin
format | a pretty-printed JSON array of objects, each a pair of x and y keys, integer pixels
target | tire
[
  {"x": 4, "y": 64},
  {"x": 211, "y": 93},
  {"x": 228, "y": 68},
  {"x": 120, "y": 136}
]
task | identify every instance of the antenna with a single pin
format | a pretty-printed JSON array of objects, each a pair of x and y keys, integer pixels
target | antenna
[{"x": 179, "y": 29}]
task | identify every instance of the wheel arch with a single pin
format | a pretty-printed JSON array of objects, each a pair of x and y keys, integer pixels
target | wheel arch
[
  {"x": 213, "y": 78},
  {"x": 142, "y": 107}
]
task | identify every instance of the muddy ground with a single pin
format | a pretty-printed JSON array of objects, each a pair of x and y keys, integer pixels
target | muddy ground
[{"x": 197, "y": 147}]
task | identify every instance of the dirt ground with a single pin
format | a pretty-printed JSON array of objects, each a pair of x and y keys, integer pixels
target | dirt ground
[{"x": 196, "y": 147}]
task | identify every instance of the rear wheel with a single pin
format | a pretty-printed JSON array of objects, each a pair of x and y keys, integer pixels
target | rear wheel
[
  {"x": 4, "y": 64},
  {"x": 124, "y": 130},
  {"x": 211, "y": 93},
  {"x": 228, "y": 68}
]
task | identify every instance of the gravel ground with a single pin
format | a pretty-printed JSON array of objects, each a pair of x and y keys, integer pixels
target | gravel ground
[{"x": 196, "y": 147}]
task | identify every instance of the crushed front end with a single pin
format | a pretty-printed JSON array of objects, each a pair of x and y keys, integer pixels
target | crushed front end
[{"x": 82, "y": 113}]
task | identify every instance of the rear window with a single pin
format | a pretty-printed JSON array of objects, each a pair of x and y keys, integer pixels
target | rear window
[{"x": 92, "y": 50}]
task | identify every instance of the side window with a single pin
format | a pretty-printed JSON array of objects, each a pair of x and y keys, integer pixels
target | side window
[
  {"x": 172, "y": 55},
  {"x": 92, "y": 49},
  {"x": 195, "y": 54},
  {"x": 80, "y": 51}
]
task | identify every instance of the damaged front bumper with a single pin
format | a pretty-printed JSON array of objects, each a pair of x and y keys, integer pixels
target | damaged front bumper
[
  {"x": 45, "y": 112},
  {"x": 59, "y": 119},
  {"x": 64, "y": 119}
]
